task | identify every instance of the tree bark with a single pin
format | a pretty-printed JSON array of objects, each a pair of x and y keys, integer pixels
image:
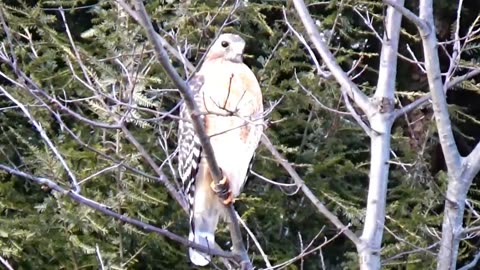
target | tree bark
[
  {"x": 457, "y": 185},
  {"x": 381, "y": 123},
  {"x": 369, "y": 256}
]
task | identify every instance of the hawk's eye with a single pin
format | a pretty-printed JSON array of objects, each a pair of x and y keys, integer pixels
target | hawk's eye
[{"x": 224, "y": 44}]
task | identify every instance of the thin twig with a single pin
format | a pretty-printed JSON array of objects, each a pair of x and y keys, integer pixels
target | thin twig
[
  {"x": 329, "y": 60},
  {"x": 457, "y": 51},
  {"x": 99, "y": 256},
  {"x": 355, "y": 115},
  {"x": 157, "y": 37},
  {"x": 419, "y": 102},
  {"x": 77, "y": 54},
  {"x": 107, "y": 211},
  {"x": 43, "y": 134},
  {"x": 320, "y": 71},
  {"x": 473, "y": 263},
  {"x": 317, "y": 101},
  {"x": 315, "y": 201},
  {"x": 255, "y": 240},
  {"x": 304, "y": 252},
  {"x": 197, "y": 122}
]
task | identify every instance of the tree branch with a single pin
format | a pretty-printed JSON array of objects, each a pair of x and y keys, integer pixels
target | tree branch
[
  {"x": 107, "y": 211},
  {"x": 48, "y": 142},
  {"x": 472, "y": 163},
  {"x": 156, "y": 36},
  {"x": 419, "y": 102},
  {"x": 315, "y": 201},
  {"x": 381, "y": 122},
  {"x": 473, "y": 263},
  {"x": 387, "y": 72},
  {"x": 5, "y": 263},
  {"x": 197, "y": 122},
  {"x": 342, "y": 78},
  {"x": 458, "y": 183},
  {"x": 439, "y": 102},
  {"x": 420, "y": 23}
]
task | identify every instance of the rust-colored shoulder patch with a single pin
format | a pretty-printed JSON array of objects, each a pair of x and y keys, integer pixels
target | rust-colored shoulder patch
[{"x": 244, "y": 132}]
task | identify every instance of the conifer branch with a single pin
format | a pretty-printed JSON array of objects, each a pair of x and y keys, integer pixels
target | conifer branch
[
  {"x": 49, "y": 143},
  {"x": 315, "y": 201},
  {"x": 107, "y": 211}
]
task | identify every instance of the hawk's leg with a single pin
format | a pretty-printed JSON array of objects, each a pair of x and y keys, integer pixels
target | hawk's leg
[{"x": 222, "y": 189}]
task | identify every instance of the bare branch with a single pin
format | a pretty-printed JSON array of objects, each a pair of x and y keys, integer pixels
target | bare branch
[
  {"x": 472, "y": 162},
  {"x": 419, "y": 102},
  {"x": 388, "y": 57},
  {"x": 310, "y": 51},
  {"x": 315, "y": 201},
  {"x": 317, "y": 101},
  {"x": 5, "y": 263},
  {"x": 107, "y": 211},
  {"x": 197, "y": 122},
  {"x": 380, "y": 121},
  {"x": 355, "y": 115},
  {"x": 419, "y": 64},
  {"x": 151, "y": 162},
  {"x": 432, "y": 65},
  {"x": 156, "y": 36},
  {"x": 261, "y": 177},
  {"x": 473, "y": 263},
  {"x": 255, "y": 240},
  {"x": 184, "y": 89},
  {"x": 305, "y": 252},
  {"x": 99, "y": 257},
  {"x": 43, "y": 134},
  {"x": 459, "y": 79},
  {"x": 454, "y": 59},
  {"x": 458, "y": 185},
  {"x": 342, "y": 78},
  {"x": 419, "y": 22},
  {"x": 77, "y": 54},
  {"x": 412, "y": 106}
]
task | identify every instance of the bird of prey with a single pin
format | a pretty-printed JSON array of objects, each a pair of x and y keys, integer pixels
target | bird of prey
[{"x": 229, "y": 97}]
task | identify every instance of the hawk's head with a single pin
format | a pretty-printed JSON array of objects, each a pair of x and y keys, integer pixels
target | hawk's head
[{"x": 227, "y": 46}]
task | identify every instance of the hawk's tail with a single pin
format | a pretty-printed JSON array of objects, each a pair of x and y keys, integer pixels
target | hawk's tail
[{"x": 203, "y": 233}]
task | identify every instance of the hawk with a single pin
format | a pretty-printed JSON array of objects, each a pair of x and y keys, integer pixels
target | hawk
[{"x": 229, "y": 97}]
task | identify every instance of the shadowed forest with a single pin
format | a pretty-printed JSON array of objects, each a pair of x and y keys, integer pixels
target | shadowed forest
[{"x": 89, "y": 118}]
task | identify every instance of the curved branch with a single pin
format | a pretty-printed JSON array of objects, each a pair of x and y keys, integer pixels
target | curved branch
[
  {"x": 162, "y": 57},
  {"x": 419, "y": 102},
  {"x": 157, "y": 37},
  {"x": 105, "y": 210},
  {"x": 420, "y": 23},
  {"x": 341, "y": 76},
  {"x": 315, "y": 201}
]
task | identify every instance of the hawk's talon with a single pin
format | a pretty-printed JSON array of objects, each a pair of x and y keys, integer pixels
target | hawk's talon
[
  {"x": 229, "y": 200},
  {"x": 222, "y": 189}
]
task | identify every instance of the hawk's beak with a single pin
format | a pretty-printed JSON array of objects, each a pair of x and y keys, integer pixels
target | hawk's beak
[{"x": 239, "y": 57}]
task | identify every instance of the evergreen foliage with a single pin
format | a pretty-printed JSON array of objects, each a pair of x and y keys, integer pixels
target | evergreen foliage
[{"x": 43, "y": 229}]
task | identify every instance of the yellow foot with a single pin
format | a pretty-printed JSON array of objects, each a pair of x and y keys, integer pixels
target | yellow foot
[{"x": 222, "y": 189}]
